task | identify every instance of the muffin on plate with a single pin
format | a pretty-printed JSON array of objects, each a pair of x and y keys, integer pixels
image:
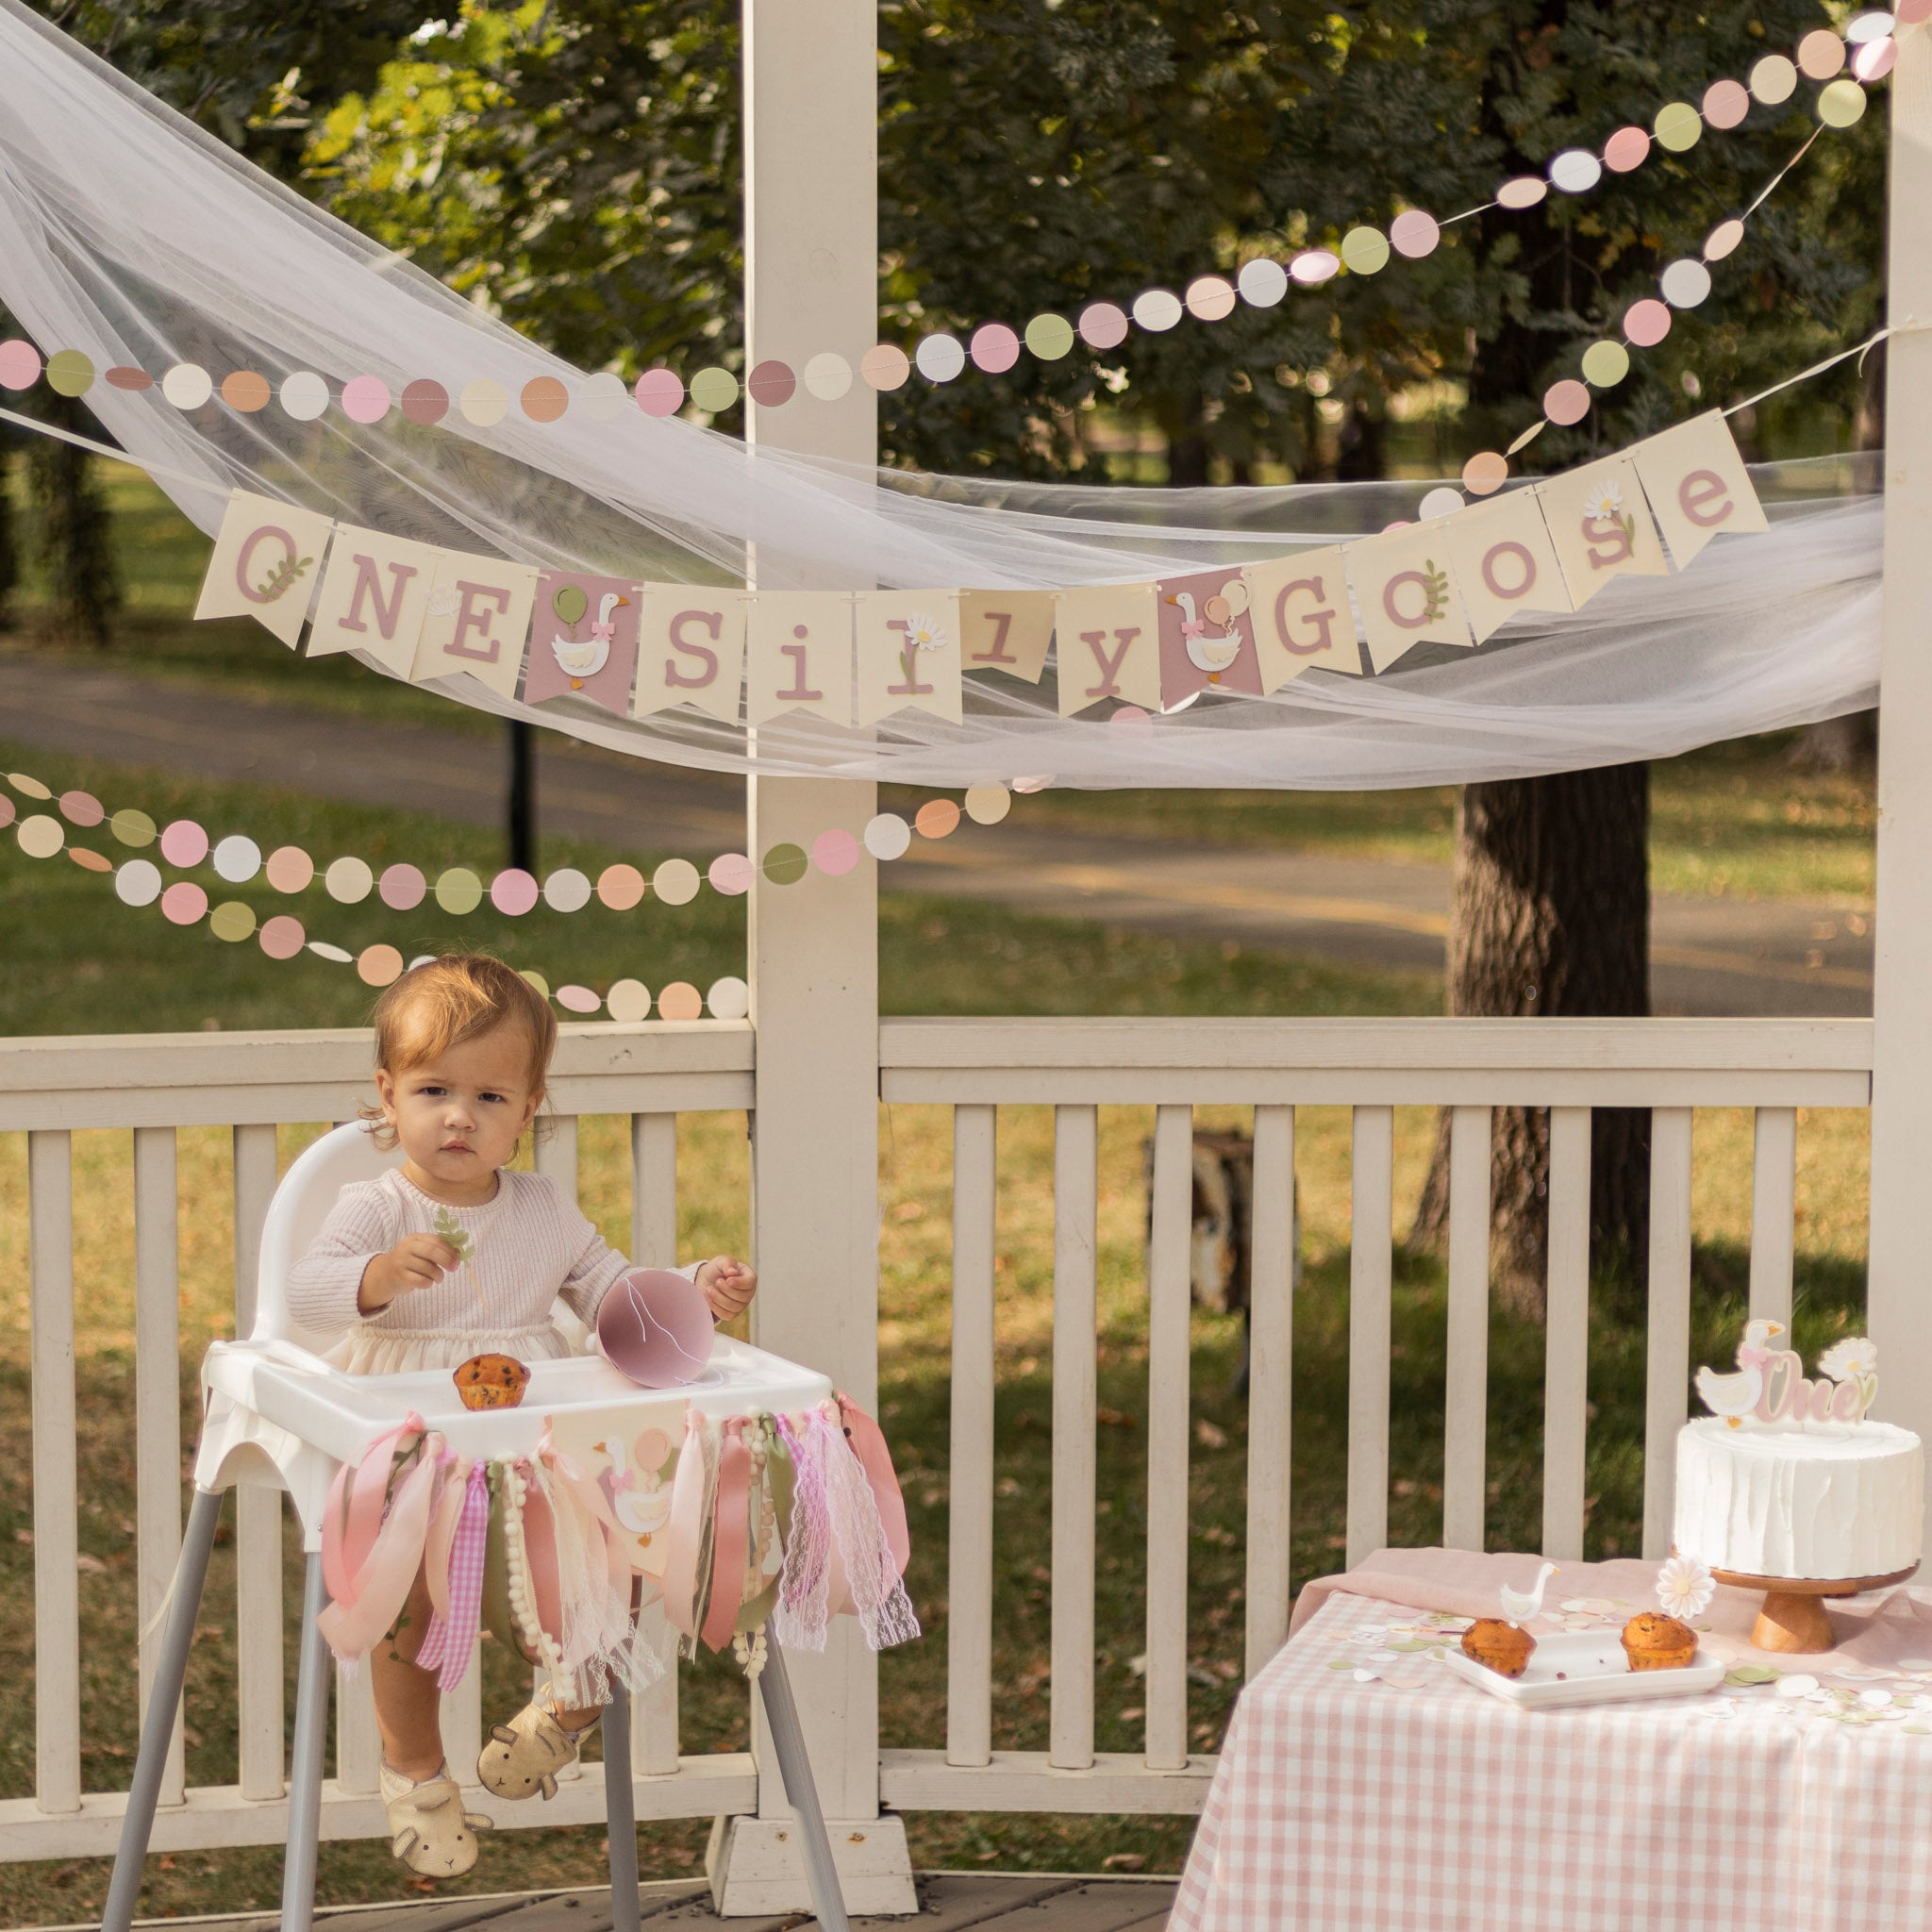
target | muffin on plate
[
  {"x": 490, "y": 1381},
  {"x": 1498, "y": 1646},
  {"x": 1654, "y": 1642}
]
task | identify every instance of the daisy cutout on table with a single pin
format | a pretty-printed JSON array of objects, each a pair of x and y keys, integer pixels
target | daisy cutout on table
[{"x": 1685, "y": 1588}]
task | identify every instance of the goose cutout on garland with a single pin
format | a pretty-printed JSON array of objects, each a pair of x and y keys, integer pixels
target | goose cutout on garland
[
  {"x": 584, "y": 642},
  {"x": 1207, "y": 637}
]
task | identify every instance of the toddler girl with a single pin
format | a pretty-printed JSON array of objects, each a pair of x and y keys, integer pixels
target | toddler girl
[{"x": 450, "y": 1255}]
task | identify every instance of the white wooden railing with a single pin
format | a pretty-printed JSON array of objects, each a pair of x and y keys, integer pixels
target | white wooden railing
[
  {"x": 1078, "y": 1066},
  {"x": 50, "y": 1087}
]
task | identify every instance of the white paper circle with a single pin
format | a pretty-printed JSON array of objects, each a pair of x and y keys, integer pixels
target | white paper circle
[
  {"x": 1158, "y": 309},
  {"x": 1576, "y": 171},
  {"x": 1685, "y": 283},
  {"x": 187, "y": 384},
  {"x": 483, "y": 402},
  {"x": 238, "y": 858},
  {"x": 1774, "y": 80},
  {"x": 887, "y": 836},
  {"x": 420, "y": 960},
  {"x": 987, "y": 804},
  {"x": 676, "y": 882},
  {"x": 349, "y": 880},
  {"x": 1798, "y": 1685},
  {"x": 1261, "y": 282},
  {"x": 603, "y": 398},
  {"x": 1440, "y": 502},
  {"x": 337, "y": 955},
  {"x": 138, "y": 882},
  {"x": 304, "y": 396},
  {"x": 828, "y": 375},
  {"x": 728, "y": 999},
  {"x": 40, "y": 835},
  {"x": 628, "y": 1000},
  {"x": 940, "y": 358},
  {"x": 1314, "y": 266},
  {"x": 567, "y": 891},
  {"x": 1869, "y": 26}
]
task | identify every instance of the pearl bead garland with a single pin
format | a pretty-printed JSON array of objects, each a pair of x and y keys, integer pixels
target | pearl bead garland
[{"x": 522, "y": 1592}]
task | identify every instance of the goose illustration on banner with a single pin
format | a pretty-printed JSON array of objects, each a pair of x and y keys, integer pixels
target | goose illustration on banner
[
  {"x": 574, "y": 652},
  {"x": 1207, "y": 636}
]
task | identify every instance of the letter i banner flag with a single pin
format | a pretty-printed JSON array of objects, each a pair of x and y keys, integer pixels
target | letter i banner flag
[
  {"x": 690, "y": 650},
  {"x": 374, "y": 598},
  {"x": 1207, "y": 636},
  {"x": 1698, "y": 485},
  {"x": 909, "y": 653},
  {"x": 583, "y": 639},
  {"x": 479, "y": 616},
  {"x": 1109, "y": 645},
  {"x": 266, "y": 563},
  {"x": 1301, "y": 616},
  {"x": 798, "y": 655}
]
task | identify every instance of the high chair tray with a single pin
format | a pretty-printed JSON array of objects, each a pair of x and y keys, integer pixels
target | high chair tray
[{"x": 341, "y": 1414}]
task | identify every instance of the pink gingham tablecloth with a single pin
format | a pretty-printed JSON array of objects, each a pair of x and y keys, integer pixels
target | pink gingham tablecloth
[{"x": 1365, "y": 1806}]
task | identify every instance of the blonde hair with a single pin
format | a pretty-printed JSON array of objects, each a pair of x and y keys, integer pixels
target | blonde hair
[{"x": 444, "y": 1002}]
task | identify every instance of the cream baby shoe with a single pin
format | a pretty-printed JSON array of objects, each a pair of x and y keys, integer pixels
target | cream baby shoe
[
  {"x": 429, "y": 1830},
  {"x": 524, "y": 1756}
]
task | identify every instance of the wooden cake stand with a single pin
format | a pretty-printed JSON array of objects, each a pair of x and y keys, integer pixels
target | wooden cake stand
[{"x": 1793, "y": 1619}]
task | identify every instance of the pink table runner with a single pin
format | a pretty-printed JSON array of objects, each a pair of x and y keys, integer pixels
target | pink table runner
[{"x": 1365, "y": 1787}]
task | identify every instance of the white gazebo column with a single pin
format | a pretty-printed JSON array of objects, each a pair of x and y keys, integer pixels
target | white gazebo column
[
  {"x": 812, "y": 276},
  {"x": 1901, "y": 1289}
]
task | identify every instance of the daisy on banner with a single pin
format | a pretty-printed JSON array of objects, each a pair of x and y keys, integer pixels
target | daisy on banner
[
  {"x": 1207, "y": 636},
  {"x": 1601, "y": 527},
  {"x": 584, "y": 640},
  {"x": 909, "y": 653}
]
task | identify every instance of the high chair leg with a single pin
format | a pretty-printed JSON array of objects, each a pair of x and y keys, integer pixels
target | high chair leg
[
  {"x": 794, "y": 1766},
  {"x": 170, "y": 1671},
  {"x": 620, "y": 1812},
  {"x": 305, "y": 1768}
]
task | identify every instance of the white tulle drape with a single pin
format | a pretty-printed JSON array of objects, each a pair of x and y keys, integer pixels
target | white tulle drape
[{"x": 128, "y": 234}]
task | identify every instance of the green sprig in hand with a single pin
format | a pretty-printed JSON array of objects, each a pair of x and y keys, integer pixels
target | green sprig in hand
[{"x": 446, "y": 1227}]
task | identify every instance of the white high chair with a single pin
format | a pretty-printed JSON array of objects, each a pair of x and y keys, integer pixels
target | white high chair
[{"x": 276, "y": 1414}]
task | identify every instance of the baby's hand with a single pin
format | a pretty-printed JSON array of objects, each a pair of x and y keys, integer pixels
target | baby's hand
[
  {"x": 728, "y": 1286},
  {"x": 416, "y": 1261}
]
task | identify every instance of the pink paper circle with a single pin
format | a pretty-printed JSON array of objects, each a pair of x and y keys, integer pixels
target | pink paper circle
[
  {"x": 577, "y": 999},
  {"x": 1103, "y": 325},
  {"x": 402, "y": 887},
  {"x": 424, "y": 402},
  {"x": 20, "y": 364},
  {"x": 1314, "y": 266},
  {"x": 1485, "y": 473},
  {"x": 365, "y": 399},
  {"x": 6, "y": 812},
  {"x": 886, "y": 367},
  {"x": 1566, "y": 401},
  {"x": 659, "y": 392},
  {"x": 730, "y": 874},
  {"x": 81, "y": 808},
  {"x": 1726, "y": 103},
  {"x": 1910, "y": 12},
  {"x": 1820, "y": 53},
  {"x": 1414, "y": 233},
  {"x": 1872, "y": 62},
  {"x": 513, "y": 891},
  {"x": 183, "y": 903},
  {"x": 771, "y": 384},
  {"x": 281, "y": 937},
  {"x": 680, "y": 1000},
  {"x": 1626, "y": 149},
  {"x": 378, "y": 966},
  {"x": 1132, "y": 721},
  {"x": 289, "y": 869},
  {"x": 835, "y": 853},
  {"x": 1646, "y": 323},
  {"x": 995, "y": 348},
  {"x": 184, "y": 843}
]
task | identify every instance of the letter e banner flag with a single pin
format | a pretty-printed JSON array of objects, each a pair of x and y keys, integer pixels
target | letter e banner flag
[
  {"x": 1698, "y": 485},
  {"x": 479, "y": 616}
]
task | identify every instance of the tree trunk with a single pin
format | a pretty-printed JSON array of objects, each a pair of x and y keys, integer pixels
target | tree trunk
[
  {"x": 1552, "y": 917},
  {"x": 74, "y": 536},
  {"x": 520, "y": 799}
]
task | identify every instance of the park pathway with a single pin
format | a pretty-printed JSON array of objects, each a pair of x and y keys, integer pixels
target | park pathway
[{"x": 1708, "y": 955}]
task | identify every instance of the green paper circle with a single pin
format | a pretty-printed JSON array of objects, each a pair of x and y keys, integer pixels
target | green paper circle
[
  {"x": 1364, "y": 251},
  {"x": 570, "y": 601},
  {"x": 1606, "y": 364},
  {"x": 533, "y": 977},
  {"x": 784, "y": 865},
  {"x": 1050, "y": 336},
  {"x": 231, "y": 921},
  {"x": 132, "y": 827},
  {"x": 458, "y": 891},
  {"x": 69, "y": 373},
  {"x": 714, "y": 390},
  {"x": 1840, "y": 104},
  {"x": 1679, "y": 125}
]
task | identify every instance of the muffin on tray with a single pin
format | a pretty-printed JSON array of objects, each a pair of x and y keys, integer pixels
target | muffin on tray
[
  {"x": 490, "y": 1381},
  {"x": 1498, "y": 1646},
  {"x": 1654, "y": 1642}
]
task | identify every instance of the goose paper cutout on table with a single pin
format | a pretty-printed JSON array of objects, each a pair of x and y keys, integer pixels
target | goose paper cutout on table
[
  {"x": 1108, "y": 645},
  {"x": 1600, "y": 524},
  {"x": 798, "y": 655},
  {"x": 1406, "y": 593},
  {"x": 477, "y": 620},
  {"x": 1207, "y": 636},
  {"x": 690, "y": 650},
  {"x": 1301, "y": 619},
  {"x": 374, "y": 597},
  {"x": 583, "y": 639},
  {"x": 266, "y": 565},
  {"x": 908, "y": 653},
  {"x": 1007, "y": 630},
  {"x": 1698, "y": 485},
  {"x": 1504, "y": 562}
]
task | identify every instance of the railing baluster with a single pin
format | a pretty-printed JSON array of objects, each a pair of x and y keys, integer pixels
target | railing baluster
[
  {"x": 459, "y": 1715},
  {"x": 57, "y": 1595},
  {"x": 555, "y": 1155},
  {"x": 1773, "y": 1192},
  {"x": 1270, "y": 1315},
  {"x": 1076, "y": 1191},
  {"x": 1566, "y": 1377},
  {"x": 969, "y": 1559},
  {"x": 1466, "y": 1396},
  {"x": 1667, "y": 1369},
  {"x": 258, "y": 1512},
  {"x": 359, "y": 1744},
  {"x": 1169, "y": 1336},
  {"x": 654, "y": 1244},
  {"x": 1371, "y": 1284},
  {"x": 157, "y": 1405}
]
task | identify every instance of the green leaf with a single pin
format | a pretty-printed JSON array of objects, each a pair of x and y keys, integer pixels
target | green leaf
[{"x": 1752, "y": 1674}]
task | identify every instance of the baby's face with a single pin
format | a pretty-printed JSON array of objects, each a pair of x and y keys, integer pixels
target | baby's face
[{"x": 459, "y": 1116}]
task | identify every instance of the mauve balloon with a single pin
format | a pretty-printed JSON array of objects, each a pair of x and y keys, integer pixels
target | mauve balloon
[{"x": 655, "y": 1327}]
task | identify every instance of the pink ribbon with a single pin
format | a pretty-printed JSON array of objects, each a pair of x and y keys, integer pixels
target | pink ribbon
[
  {"x": 731, "y": 1522},
  {"x": 443, "y": 1516},
  {"x": 685, "y": 1529},
  {"x": 594, "y": 1507},
  {"x": 458, "y": 1566},
  {"x": 378, "y": 1587},
  {"x": 349, "y": 1528}
]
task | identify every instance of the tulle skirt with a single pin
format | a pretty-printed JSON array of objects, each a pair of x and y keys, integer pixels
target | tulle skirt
[{"x": 370, "y": 1350}]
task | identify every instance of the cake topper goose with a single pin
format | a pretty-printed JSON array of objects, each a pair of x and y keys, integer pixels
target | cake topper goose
[
  {"x": 1771, "y": 1385},
  {"x": 1734, "y": 1397}
]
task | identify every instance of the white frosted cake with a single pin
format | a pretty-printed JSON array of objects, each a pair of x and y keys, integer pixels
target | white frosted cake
[{"x": 1818, "y": 1500}]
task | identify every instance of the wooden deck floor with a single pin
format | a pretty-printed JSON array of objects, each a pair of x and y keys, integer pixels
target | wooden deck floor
[{"x": 949, "y": 1901}]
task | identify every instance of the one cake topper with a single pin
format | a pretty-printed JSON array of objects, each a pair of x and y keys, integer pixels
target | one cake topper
[{"x": 1771, "y": 1385}]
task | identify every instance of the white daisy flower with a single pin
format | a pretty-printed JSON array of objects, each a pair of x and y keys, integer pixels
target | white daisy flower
[
  {"x": 925, "y": 634},
  {"x": 444, "y": 602},
  {"x": 1685, "y": 1588},
  {"x": 1605, "y": 504},
  {"x": 1855, "y": 1356}
]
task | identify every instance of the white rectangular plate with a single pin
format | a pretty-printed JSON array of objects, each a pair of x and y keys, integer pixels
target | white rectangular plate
[{"x": 1587, "y": 1667}]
